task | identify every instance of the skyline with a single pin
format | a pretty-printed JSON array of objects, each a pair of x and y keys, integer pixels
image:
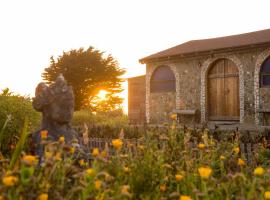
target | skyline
[{"x": 33, "y": 31}]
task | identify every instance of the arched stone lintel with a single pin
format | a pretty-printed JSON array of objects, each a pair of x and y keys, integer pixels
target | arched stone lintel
[
  {"x": 205, "y": 67},
  {"x": 149, "y": 72},
  {"x": 260, "y": 59}
]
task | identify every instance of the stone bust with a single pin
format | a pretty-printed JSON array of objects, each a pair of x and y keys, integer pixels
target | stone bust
[{"x": 56, "y": 103}]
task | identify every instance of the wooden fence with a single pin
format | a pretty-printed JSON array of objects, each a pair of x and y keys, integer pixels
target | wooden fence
[{"x": 247, "y": 149}]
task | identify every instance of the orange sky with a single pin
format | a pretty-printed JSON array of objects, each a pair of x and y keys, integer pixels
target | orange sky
[{"x": 34, "y": 30}]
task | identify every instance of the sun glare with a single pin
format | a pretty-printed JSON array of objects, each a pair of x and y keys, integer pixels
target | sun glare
[{"x": 102, "y": 94}]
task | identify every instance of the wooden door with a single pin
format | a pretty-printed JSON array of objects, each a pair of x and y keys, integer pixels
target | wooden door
[{"x": 223, "y": 91}]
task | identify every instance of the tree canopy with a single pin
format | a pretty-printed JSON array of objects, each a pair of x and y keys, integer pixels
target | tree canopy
[{"x": 88, "y": 72}]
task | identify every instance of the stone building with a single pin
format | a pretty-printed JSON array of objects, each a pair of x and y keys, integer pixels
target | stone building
[
  {"x": 225, "y": 79},
  {"x": 136, "y": 100}
]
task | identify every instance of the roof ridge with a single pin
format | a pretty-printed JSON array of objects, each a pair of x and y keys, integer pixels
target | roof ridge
[{"x": 199, "y": 45}]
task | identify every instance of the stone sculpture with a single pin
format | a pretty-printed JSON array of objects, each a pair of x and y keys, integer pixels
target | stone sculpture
[{"x": 56, "y": 103}]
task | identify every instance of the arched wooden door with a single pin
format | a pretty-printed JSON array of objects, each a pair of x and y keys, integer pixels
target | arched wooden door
[{"x": 223, "y": 91}]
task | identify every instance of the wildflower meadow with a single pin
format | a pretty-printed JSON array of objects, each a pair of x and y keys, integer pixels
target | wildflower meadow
[{"x": 171, "y": 165}]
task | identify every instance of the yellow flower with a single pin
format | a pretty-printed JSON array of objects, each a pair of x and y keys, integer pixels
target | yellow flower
[
  {"x": 61, "y": 139},
  {"x": 173, "y": 116},
  {"x": 125, "y": 189},
  {"x": 72, "y": 150},
  {"x": 82, "y": 162},
  {"x": 43, "y": 134},
  {"x": 29, "y": 159},
  {"x": 178, "y": 177},
  {"x": 162, "y": 188},
  {"x": 43, "y": 196},
  {"x": 126, "y": 170},
  {"x": 104, "y": 154},
  {"x": 201, "y": 146},
  {"x": 95, "y": 152},
  {"x": 241, "y": 162},
  {"x": 267, "y": 195},
  {"x": 117, "y": 143},
  {"x": 58, "y": 156},
  {"x": 236, "y": 150},
  {"x": 90, "y": 171},
  {"x": 1, "y": 197},
  {"x": 222, "y": 157},
  {"x": 258, "y": 171},
  {"x": 10, "y": 180},
  {"x": 205, "y": 172},
  {"x": 98, "y": 184},
  {"x": 184, "y": 197}
]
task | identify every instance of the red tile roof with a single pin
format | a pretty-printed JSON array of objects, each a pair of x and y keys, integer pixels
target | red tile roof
[{"x": 196, "y": 46}]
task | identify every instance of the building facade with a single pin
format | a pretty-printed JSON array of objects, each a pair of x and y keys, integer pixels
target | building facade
[
  {"x": 224, "y": 79},
  {"x": 136, "y": 100}
]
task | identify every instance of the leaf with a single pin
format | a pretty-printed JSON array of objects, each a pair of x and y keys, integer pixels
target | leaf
[
  {"x": 26, "y": 174},
  {"x": 3, "y": 129},
  {"x": 19, "y": 147}
]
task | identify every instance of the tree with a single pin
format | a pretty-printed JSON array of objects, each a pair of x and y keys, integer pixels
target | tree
[
  {"x": 108, "y": 104},
  {"x": 88, "y": 72},
  {"x": 6, "y": 92}
]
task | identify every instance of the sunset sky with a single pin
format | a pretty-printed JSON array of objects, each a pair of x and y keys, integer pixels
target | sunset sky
[{"x": 33, "y": 30}]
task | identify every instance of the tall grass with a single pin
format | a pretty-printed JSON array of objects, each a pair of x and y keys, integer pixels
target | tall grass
[
  {"x": 110, "y": 119},
  {"x": 170, "y": 165},
  {"x": 20, "y": 145}
]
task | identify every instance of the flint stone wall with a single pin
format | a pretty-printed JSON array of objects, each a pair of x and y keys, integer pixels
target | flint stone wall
[
  {"x": 191, "y": 86},
  {"x": 162, "y": 113}
]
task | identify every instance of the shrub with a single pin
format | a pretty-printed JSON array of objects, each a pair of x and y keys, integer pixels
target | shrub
[
  {"x": 111, "y": 119},
  {"x": 105, "y": 125},
  {"x": 15, "y": 109}
]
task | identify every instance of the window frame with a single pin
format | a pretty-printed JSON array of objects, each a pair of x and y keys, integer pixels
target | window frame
[
  {"x": 263, "y": 74},
  {"x": 261, "y": 80},
  {"x": 154, "y": 82}
]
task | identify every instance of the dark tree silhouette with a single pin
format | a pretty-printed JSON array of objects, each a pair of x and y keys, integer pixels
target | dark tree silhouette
[{"x": 88, "y": 72}]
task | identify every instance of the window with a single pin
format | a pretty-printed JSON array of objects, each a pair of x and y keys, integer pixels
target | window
[
  {"x": 162, "y": 80},
  {"x": 265, "y": 73}
]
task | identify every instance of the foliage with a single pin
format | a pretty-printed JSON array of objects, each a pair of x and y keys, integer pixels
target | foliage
[
  {"x": 13, "y": 111},
  {"x": 105, "y": 125},
  {"x": 114, "y": 118},
  {"x": 111, "y": 103},
  {"x": 20, "y": 145},
  {"x": 6, "y": 92},
  {"x": 176, "y": 164},
  {"x": 88, "y": 71}
]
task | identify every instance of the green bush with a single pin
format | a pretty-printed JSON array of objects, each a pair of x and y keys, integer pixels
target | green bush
[
  {"x": 13, "y": 111},
  {"x": 112, "y": 118},
  {"x": 105, "y": 125}
]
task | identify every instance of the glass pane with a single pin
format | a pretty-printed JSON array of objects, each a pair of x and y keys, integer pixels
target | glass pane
[
  {"x": 266, "y": 80},
  {"x": 163, "y": 73},
  {"x": 266, "y": 66},
  {"x": 168, "y": 86}
]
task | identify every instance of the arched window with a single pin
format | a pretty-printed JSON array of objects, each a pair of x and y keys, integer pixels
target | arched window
[
  {"x": 265, "y": 73},
  {"x": 162, "y": 80}
]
